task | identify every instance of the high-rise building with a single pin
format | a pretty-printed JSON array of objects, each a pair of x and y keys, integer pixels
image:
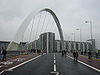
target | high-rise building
[
  {"x": 57, "y": 45},
  {"x": 47, "y": 42}
]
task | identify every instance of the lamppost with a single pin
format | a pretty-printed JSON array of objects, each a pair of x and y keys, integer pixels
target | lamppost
[
  {"x": 90, "y": 22},
  {"x": 80, "y": 35},
  {"x": 73, "y": 44},
  {"x": 80, "y": 39}
]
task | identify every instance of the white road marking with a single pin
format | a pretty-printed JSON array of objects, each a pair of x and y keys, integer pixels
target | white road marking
[
  {"x": 54, "y": 56},
  {"x": 8, "y": 70},
  {"x": 23, "y": 63},
  {"x": 54, "y": 61},
  {"x": 1, "y": 72},
  {"x": 54, "y": 67},
  {"x": 11, "y": 69},
  {"x": 57, "y": 73},
  {"x": 86, "y": 64}
]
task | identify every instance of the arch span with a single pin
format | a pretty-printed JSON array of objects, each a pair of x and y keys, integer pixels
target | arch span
[
  {"x": 26, "y": 22},
  {"x": 57, "y": 22}
]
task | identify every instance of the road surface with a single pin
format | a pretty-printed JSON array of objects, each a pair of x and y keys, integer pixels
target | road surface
[{"x": 52, "y": 64}]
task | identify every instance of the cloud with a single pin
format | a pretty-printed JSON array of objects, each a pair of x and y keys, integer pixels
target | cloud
[{"x": 71, "y": 13}]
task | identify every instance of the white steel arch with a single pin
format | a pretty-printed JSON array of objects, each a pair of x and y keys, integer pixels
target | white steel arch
[{"x": 26, "y": 22}]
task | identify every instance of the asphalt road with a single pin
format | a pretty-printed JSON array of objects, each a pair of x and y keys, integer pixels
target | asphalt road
[
  {"x": 52, "y": 64},
  {"x": 67, "y": 66}
]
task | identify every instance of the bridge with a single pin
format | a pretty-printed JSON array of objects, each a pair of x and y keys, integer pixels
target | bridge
[
  {"x": 41, "y": 38},
  {"x": 21, "y": 43}
]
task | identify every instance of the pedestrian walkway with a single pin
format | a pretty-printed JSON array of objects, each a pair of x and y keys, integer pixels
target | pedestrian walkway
[
  {"x": 13, "y": 61},
  {"x": 92, "y": 62}
]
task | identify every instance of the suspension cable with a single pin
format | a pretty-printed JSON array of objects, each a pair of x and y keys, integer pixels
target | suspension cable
[
  {"x": 54, "y": 28},
  {"x": 31, "y": 29},
  {"x": 43, "y": 22},
  {"x": 47, "y": 23},
  {"x": 51, "y": 26},
  {"x": 37, "y": 26}
]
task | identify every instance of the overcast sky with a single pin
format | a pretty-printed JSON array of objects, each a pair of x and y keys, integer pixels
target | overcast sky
[{"x": 71, "y": 13}]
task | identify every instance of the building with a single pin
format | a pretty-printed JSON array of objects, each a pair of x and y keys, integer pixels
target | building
[
  {"x": 57, "y": 45},
  {"x": 4, "y": 44},
  {"x": 35, "y": 44},
  {"x": 47, "y": 42},
  {"x": 73, "y": 45},
  {"x": 22, "y": 46},
  {"x": 92, "y": 44},
  {"x": 12, "y": 46}
]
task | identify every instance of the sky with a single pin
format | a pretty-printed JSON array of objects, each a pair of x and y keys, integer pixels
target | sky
[{"x": 72, "y": 15}]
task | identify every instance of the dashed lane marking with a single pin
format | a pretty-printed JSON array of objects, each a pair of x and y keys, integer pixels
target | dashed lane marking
[
  {"x": 54, "y": 56},
  {"x": 54, "y": 61},
  {"x": 54, "y": 67}
]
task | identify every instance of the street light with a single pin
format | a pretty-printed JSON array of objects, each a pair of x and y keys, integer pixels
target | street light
[
  {"x": 80, "y": 34},
  {"x": 80, "y": 39},
  {"x": 73, "y": 41},
  {"x": 90, "y": 22}
]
